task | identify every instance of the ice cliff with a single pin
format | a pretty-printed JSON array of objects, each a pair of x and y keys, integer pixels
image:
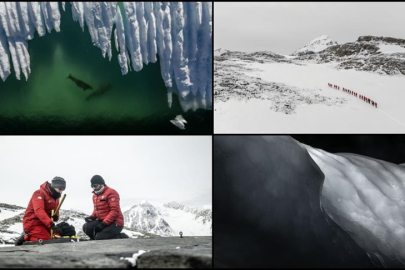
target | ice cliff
[
  {"x": 179, "y": 32},
  {"x": 366, "y": 197}
]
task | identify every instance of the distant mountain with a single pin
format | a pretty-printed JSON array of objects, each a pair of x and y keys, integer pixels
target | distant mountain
[
  {"x": 145, "y": 217},
  {"x": 219, "y": 52},
  {"x": 169, "y": 219},
  {"x": 316, "y": 45}
]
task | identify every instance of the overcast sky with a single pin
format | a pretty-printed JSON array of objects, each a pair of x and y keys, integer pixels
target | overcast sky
[
  {"x": 153, "y": 168},
  {"x": 284, "y": 27}
]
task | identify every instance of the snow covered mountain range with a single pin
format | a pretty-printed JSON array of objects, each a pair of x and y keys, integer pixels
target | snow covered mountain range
[
  {"x": 179, "y": 32},
  {"x": 169, "y": 219},
  {"x": 141, "y": 221},
  {"x": 316, "y": 45},
  {"x": 250, "y": 88}
]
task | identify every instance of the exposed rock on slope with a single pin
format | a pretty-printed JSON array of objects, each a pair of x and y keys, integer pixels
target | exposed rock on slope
[{"x": 231, "y": 82}]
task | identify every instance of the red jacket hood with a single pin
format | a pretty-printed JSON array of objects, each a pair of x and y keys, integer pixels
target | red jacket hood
[{"x": 45, "y": 187}]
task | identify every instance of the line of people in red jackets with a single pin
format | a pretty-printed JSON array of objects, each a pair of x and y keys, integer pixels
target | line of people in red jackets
[{"x": 364, "y": 98}]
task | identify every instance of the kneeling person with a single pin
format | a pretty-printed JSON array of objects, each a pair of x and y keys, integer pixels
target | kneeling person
[
  {"x": 107, "y": 220},
  {"x": 37, "y": 220}
]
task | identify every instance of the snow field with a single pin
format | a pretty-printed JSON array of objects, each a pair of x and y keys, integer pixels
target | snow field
[{"x": 356, "y": 116}]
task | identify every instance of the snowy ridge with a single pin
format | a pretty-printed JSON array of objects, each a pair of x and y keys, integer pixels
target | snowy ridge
[
  {"x": 179, "y": 32},
  {"x": 316, "y": 45}
]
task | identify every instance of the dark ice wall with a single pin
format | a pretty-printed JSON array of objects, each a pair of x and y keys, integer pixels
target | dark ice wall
[{"x": 267, "y": 208}]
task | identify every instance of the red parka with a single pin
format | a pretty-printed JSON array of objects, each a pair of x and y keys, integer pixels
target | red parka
[
  {"x": 107, "y": 207},
  {"x": 39, "y": 209}
]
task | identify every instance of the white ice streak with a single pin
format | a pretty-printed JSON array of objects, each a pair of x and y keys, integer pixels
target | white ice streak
[
  {"x": 366, "y": 197},
  {"x": 132, "y": 34},
  {"x": 99, "y": 17},
  {"x": 180, "y": 62},
  {"x": 78, "y": 13},
  {"x": 179, "y": 121},
  {"x": 134, "y": 257},
  {"x": 50, "y": 11},
  {"x": 140, "y": 15},
  {"x": 180, "y": 33},
  {"x": 4, "y": 59},
  {"x": 151, "y": 38},
  {"x": 119, "y": 34}
]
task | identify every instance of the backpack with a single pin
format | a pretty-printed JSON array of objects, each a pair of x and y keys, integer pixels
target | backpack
[{"x": 68, "y": 230}]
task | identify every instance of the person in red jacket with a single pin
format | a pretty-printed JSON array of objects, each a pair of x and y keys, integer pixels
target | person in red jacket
[
  {"x": 107, "y": 220},
  {"x": 37, "y": 220}
]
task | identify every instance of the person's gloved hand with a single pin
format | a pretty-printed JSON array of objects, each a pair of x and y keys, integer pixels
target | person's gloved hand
[
  {"x": 89, "y": 219},
  {"x": 100, "y": 227},
  {"x": 55, "y": 217},
  {"x": 57, "y": 230}
]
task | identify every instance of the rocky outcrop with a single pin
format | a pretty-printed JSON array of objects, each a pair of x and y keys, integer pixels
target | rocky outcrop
[
  {"x": 231, "y": 82},
  {"x": 11, "y": 206},
  {"x": 387, "y": 40},
  {"x": 363, "y": 55},
  {"x": 164, "y": 252},
  {"x": 259, "y": 57},
  {"x": 351, "y": 49}
]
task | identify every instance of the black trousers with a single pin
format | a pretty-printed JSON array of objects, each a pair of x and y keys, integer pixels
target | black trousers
[{"x": 112, "y": 231}]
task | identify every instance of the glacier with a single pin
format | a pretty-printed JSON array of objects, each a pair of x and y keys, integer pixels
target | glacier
[
  {"x": 180, "y": 33},
  {"x": 366, "y": 197},
  {"x": 281, "y": 203}
]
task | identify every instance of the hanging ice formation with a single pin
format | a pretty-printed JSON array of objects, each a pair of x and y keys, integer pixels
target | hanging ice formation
[{"x": 179, "y": 32}]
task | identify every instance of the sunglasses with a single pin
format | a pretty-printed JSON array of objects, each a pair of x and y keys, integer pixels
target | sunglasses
[{"x": 95, "y": 185}]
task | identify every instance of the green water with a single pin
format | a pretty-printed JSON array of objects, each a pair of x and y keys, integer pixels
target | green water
[{"x": 49, "y": 103}]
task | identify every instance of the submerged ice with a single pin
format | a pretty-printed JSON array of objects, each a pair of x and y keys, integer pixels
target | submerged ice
[
  {"x": 179, "y": 32},
  {"x": 366, "y": 197}
]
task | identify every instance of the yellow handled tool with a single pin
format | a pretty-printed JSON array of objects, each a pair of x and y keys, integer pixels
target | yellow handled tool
[
  {"x": 57, "y": 209},
  {"x": 61, "y": 201}
]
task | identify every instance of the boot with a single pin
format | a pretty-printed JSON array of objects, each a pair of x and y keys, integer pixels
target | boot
[
  {"x": 20, "y": 240},
  {"x": 124, "y": 235}
]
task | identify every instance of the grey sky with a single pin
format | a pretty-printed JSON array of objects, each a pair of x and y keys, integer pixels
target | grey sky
[
  {"x": 284, "y": 27},
  {"x": 154, "y": 168}
]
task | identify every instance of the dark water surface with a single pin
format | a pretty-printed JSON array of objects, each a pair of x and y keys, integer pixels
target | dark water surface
[{"x": 50, "y": 103}]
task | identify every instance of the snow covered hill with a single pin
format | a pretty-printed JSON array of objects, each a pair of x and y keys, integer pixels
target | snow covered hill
[
  {"x": 316, "y": 45},
  {"x": 169, "y": 219},
  {"x": 291, "y": 95},
  {"x": 188, "y": 219},
  {"x": 180, "y": 33}
]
